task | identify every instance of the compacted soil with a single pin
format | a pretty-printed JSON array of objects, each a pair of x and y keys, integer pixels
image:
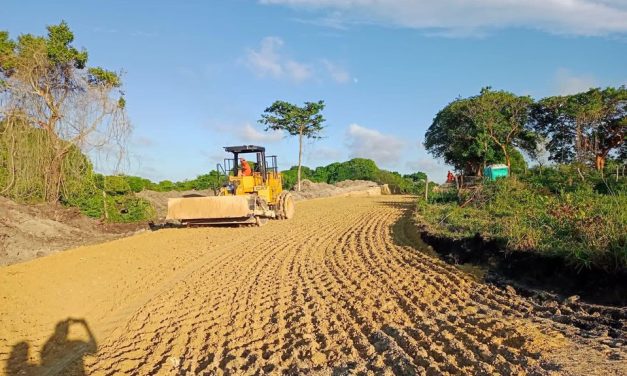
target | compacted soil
[{"x": 337, "y": 290}]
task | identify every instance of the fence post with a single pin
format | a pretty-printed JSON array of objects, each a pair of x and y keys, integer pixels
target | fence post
[{"x": 426, "y": 188}]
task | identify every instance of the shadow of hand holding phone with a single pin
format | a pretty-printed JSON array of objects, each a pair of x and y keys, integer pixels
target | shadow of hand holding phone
[{"x": 60, "y": 355}]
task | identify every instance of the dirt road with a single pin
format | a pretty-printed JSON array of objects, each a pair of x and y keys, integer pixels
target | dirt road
[{"x": 337, "y": 290}]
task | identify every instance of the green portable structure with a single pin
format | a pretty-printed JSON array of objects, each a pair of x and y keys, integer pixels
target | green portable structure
[{"x": 495, "y": 171}]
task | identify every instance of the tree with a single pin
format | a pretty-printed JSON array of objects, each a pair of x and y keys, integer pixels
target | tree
[
  {"x": 304, "y": 122},
  {"x": 503, "y": 117},
  {"x": 46, "y": 84},
  {"x": 354, "y": 169},
  {"x": 469, "y": 133},
  {"x": 454, "y": 136},
  {"x": 584, "y": 127},
  {"x": 416, "y": 176},
  {"x": 610, "y": 132}
]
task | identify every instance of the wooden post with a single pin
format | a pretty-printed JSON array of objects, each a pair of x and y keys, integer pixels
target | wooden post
[
  {"x": 104, "y": 203},
  {"x": 427, "y": 189}
]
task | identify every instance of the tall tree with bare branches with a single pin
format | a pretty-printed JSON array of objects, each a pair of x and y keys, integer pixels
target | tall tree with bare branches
[{"x": 45, "y": 83}]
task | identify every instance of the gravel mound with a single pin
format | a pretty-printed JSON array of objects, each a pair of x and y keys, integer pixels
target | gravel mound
[{"x": 311, "y": 190}]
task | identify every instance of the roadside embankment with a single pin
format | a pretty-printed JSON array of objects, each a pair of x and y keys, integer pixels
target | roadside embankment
[
  {"x": 31, "y": 231},
  {"x": 532, "y": 273}
]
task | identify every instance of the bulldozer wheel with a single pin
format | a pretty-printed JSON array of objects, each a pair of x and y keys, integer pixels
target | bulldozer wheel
[
  {"x": 260, "y": 221},
  {"x": 285, "y": 206}
]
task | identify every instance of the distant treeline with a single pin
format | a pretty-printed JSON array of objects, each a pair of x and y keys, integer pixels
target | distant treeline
[{"x": 354, "y": 169}]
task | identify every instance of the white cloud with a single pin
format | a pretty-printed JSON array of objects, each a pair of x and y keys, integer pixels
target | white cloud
[
  {"x": 270, "y": 61},
  {"x": 369, "y": 143},
  {"x": 266, "y": 60},
  {"x": 459, "y": 17},
  {"x": 251, "y": 134},
  {"x": 567, "y": 83},
  {"x": 298, "y": 71},
  {"x": 323, "y": 153},
  {"x": 338, "y": 73}
]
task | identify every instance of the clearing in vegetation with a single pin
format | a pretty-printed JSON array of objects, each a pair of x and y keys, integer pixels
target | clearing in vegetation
[{"x": 341, "y": 296}]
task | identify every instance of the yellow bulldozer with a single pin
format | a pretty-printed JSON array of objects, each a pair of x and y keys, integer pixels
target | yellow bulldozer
[{"x": 248, "y": 194}]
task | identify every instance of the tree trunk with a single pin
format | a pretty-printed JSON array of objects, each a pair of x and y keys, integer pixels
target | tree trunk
[
  {"x": 53, "y": 180},
  {"x": 300, "y": 154},
  {"x": 578, "y": 143}
]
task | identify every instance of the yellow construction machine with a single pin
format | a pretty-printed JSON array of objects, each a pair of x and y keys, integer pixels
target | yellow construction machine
[{"x": 248, "y": 195}]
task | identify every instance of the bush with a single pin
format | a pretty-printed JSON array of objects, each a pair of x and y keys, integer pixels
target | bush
[
  {"x": 116, "y": 185},
  {"x": 129, "y": 209},
  {"x": 585, "y": 227},
  {"x": 137, "y": 184},
  {"x": 119, "y": 208}
]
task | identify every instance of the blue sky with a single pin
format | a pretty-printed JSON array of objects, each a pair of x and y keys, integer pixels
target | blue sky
[{"x": 198, "y": 74}]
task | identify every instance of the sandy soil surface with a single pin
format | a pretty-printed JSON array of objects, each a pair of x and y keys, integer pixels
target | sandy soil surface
[{"x": 337, "y": 290}]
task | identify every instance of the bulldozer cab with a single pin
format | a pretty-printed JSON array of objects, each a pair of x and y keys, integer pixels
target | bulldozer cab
[{"x": 265, "y": 179}]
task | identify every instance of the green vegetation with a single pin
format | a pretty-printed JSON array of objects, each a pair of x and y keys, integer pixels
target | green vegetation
[
  {"x": 546, "y": 211},
  {"x": 473, "y": 132},
  {"x": 357, "y": 169},
  {"x": 202, "y": 182},
  {"x": 354, "y": 169},
  {"x": 586, "y": 127},
  {"x": 53, "y": 107},
  {"x": 575, "y": 210}
]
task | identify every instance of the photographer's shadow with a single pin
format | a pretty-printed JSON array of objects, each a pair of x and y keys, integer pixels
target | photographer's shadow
[{"x": 59, "y": 355}]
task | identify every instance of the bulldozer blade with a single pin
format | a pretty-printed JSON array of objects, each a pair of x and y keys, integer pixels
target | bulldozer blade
[{"x": 211, "y": 209}]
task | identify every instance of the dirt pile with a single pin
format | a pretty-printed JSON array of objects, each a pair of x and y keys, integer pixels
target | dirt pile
[
  {"x": 338, "y": 289},
  {"x": 353, "y": 188},
  {"x": 160, "y": 199},
  {"x": 30, "y": 231}
]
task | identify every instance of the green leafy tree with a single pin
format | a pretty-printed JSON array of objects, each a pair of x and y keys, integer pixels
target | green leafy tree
[
  {"x": 354, "y": 169},
  {"x": 48, "y": 85},
  {"x": 137, "y": 184},
  {"x": 304, "y": 122},
  {"x": 502, "y": 116},
  {"x": 454, "y": 137},
  {"x": 470, "y": 133},
  {"x": 584, "y": 127},
  {"x": 165, "y": 186},
  {"x": 207, "y": 181},
  {"x": 416, "y": 176}
]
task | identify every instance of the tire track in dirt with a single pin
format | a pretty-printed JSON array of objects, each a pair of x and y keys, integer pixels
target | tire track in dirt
[{"x": 333, "y": 291}]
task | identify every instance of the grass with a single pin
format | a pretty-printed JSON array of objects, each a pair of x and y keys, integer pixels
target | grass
[{"x": 586, "y": 224}]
